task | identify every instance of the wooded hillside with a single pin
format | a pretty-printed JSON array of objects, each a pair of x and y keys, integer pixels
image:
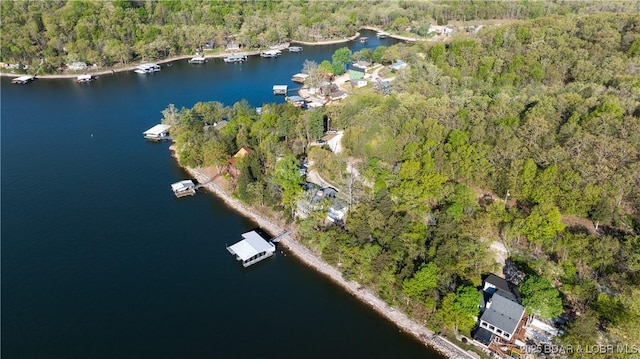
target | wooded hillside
[
  {"x": 50, "y": 34},
  {"x": 543, "y": 113}
]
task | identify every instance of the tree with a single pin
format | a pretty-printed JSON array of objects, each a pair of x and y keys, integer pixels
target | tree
[
  {"x": 540, "y": 298},
  {"x": 423, "y": 281},
  {"x": 286, "y": 176}
]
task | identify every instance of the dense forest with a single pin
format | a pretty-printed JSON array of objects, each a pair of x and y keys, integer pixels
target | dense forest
[
  {"x": 542, "y": 113},
  {"x": 48, "y": 35}
]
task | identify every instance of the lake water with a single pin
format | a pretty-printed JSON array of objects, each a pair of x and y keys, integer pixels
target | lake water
[{"x": 99, "y": 260}]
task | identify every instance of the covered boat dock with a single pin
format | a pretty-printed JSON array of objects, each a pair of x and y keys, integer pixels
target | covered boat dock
[
  {"x": 280, "y": 89},
  {"x": 184, "y": 188},
  {"x": 22, "y": 79},
  {"x": 252, "y": 249},
  {"x": 157, "y": 132}
]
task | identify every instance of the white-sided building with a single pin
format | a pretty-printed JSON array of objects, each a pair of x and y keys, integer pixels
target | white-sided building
[{"x": 252, "y": 249}]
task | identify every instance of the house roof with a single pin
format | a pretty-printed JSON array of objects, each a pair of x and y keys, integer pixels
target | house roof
[
  {"x": 357, "y": 69},
  {"x": 483, "y": 336},
  {"x": 501, "y": 285},
  {"x": 251, "y": 244},
  {"x": 503, "y": 313}
]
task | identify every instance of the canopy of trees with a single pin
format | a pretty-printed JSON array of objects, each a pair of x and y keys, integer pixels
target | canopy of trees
[{"x": 111, "y": 33}]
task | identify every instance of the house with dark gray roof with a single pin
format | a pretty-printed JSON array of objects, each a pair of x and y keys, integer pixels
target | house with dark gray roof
[{"x": 501, "y": 314}]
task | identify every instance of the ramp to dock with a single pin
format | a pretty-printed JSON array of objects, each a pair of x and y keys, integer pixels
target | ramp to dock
[{"x": 277, "y": 238}]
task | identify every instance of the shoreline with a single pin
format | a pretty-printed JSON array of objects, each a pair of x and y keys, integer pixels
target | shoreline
[
  {"x": 426, "y": 336},
  {"x": 131, "y": 67}
]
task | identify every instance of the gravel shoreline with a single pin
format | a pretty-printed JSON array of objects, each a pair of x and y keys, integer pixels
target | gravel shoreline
[{"x": 400, "y": 319}]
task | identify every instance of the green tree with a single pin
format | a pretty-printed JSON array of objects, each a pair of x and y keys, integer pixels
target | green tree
[
  {"x": 539, "y": 297},
  {"x": 422, "y": 282}
]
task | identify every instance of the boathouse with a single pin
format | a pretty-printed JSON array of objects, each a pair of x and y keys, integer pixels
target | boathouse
[
  {"x": 252, "y": 249},
  {"x": 22, "y": 79},
  {"x": 300, "y": 78},
  {"x": 184, "y": 188},
  {"x": 157, "y": 132},
  {"x": 279, "y": 89}
]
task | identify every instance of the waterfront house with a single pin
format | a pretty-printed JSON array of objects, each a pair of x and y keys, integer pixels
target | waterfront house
[
  {"x": 232, "y": 170},
  {"x": 502, "y": 317},
  {"x": 252, "y": 248}
]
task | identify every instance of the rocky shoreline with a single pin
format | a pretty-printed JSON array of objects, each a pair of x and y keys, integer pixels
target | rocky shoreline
[{"x": 399, "y": 318}]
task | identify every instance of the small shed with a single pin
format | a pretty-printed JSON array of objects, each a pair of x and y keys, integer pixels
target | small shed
[
  {"x": 157, "y": 132},
  {"x": 252, "y": 249},
  {"x": 280, "y": 89}
]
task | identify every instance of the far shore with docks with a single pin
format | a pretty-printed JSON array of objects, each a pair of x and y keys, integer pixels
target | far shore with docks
[{"x": 221, "y": 55}]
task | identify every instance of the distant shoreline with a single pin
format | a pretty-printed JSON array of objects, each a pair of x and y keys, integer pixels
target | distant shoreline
[{"x": 131, "y": 67}]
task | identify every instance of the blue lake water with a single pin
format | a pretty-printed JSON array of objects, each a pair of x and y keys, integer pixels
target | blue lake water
[{"x": 99, "y": 260}]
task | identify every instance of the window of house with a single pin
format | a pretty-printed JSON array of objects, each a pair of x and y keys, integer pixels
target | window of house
[
  {"x": 492, "y": 327},
  {"x": 484, "y": 324},
  {"x": 507, "y": 335},
  {"x": 499, "y": 331}
]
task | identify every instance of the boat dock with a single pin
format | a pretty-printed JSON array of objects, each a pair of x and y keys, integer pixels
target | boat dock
[
  {"x": 299, "y": 78},
  {"x": 252, "y": 248},
  {"x": 198, "y": 60},
  {"x": 85, "y": 78},
  {"x": 295, "y": 48},
  {"x": 280, "y": 89},
  {"x": 236, "y": 58},
  {"x": 147, "y": 68},
  {"x": 270, "y": 53},
  {"x": 184, "y": 188},
  {"x": 157, "y": 132},
  {"x": 23, "y": 79}
]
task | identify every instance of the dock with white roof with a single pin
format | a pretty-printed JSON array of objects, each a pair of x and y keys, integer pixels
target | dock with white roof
[
  {"x": 23, "y": 79},
  {"x": 252, "y": 248},
  {"x": 157, "y": 132}
]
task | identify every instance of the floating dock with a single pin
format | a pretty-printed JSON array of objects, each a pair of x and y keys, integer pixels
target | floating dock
[
  {"x": 252, "y": 249},
  {"x": 184, "y": 188},
  {"x": 295, "y": 48},
  {"x": 23, "y": 79}
]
